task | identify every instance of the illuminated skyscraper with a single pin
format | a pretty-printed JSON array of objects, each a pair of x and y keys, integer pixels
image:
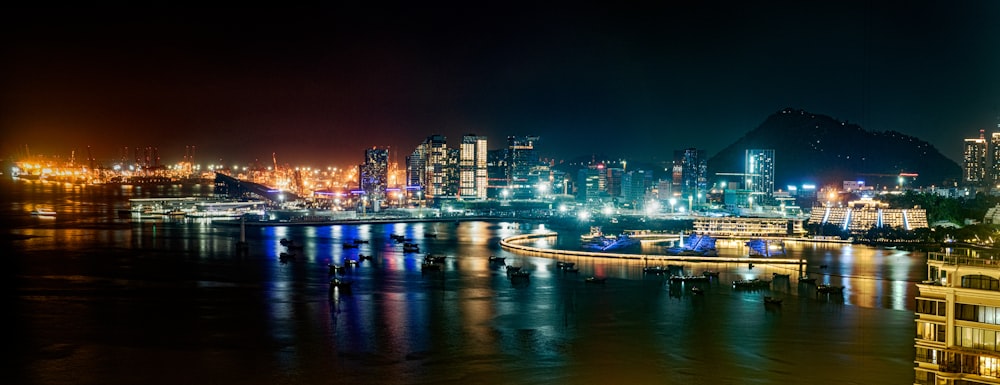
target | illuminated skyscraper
[
  {"x": 690, "y": 171},
  {"x": 995, "y": 156},
  {"x": 974, "y": 160},
  {"x": 521, "y": 160},
  {"x": 373, "y": 175},
  {"x": 472, "y": 167},
  {"x": 760, "y": 174}
]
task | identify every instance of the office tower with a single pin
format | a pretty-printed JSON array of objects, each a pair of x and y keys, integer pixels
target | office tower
[
  {"x": 690, "y": 172},
  {"x": 373, "y": 175},
  {"x": 472, "y": 167},
  {"x": 635, "y": 184},
  {"x": 759, "y": 173},
  {"x": 589, "y": 183},
  {"x": 974, "y": 162},
  {"x": 521, "y": 160}
]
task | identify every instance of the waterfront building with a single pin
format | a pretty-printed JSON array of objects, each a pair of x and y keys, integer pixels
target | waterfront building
[
  {"x": 472, "y": 167},
  {"x": 635, "y": 184},
  {"x": 861, "y": 215},
  {"x": 974, "y": 160},
  {"x": 958, "y": 320},
  {"x": 589, "y": 183},
  {"x": 759, "y": 172},
  {"x": 613, "y": 181},
  {"x": 427, "y": 167},
  {"x": 690, "y": 171},
  {"x": 748, "y": 227},
  {"x": 994, "y": 148},
  {"x": 373, "y": 176},
  {"x": 496, "y": 173},
  {"x": 521, "y": 160}
]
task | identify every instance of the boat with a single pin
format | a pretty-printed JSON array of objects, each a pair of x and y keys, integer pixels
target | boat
[
  {"x": 351, "y": 263},
  {"x": 513, "y": 269},
  {"x": 571, "y": 269},
  {"x": 697, "y": 290},
  {"x": 411, "y": 247},
  {"x": 338, "y": 283},
  {"x": 362, "y": 257},
  {"x": 430, "y": 266},
  {"x": 360, "y": 241},
  {"x": 688, "y": 278},
  {"x": 768, "y": 300},
  {"x": 780, "y": 276},
  {"x": 350, "y": 245},
  {"x": 43, "y": 212},
  {"x": 654, "y": 270},
  {"x": 334, "y": 269},
  {"x": 710, "y": 273},
  {"x": 496, "y": 259},
  {"x": 561, "y": 264},
  {"x": 806, "y": 279},
  {"x": 177, "y": 212},
  {"x": 594, "y": 280},
  {"x": 755, "y": 283},
  {"x": 829, "y": 289},
  {"x": 520, "y": 274},
  {"x": 430, "y": 235},
  {"x": 596, "y": 240},
  {"x": 434, "y": 258}
]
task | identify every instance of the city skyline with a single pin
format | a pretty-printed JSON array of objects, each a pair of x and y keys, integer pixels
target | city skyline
[{"x": 323, "y": 84}]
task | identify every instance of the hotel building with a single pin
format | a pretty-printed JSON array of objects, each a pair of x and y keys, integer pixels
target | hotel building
[{"x": 958, "y": 320}]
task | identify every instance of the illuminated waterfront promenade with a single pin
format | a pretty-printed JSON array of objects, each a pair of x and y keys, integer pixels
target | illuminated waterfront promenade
[{"x": 513, "y": 244}]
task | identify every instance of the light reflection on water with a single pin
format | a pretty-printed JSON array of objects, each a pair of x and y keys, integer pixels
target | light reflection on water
[{"x": 151, "y": 297}]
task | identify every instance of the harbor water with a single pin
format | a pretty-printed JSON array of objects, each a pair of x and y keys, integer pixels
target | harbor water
[{"x": 103, "y": 298}]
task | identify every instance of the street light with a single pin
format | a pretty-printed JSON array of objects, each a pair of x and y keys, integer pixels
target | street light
[{"x": 673, "y": 201}]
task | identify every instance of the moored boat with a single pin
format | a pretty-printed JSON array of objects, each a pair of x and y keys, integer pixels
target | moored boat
[
  {"x": 768, "y": 300},
  {"x": 594, "y": 280}
]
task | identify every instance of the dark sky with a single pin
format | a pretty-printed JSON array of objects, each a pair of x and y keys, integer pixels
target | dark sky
[{"x": 319, "y": 85}]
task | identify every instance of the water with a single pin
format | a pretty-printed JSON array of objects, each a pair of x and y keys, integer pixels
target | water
[{"x": 100, "y": 299}]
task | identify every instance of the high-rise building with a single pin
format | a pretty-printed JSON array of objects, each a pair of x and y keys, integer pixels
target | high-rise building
[
  {"x": 521, "y": 160},
  {"x": 759, "y": 173},
  {"x": 472, "y": 167},
  {"x": 373, "y": 175},
  {"x": 958, "y": 313},
  {"x": 589, "y": 183},
  {"x": 635, "y": 185},
  {"x": 690, "y": 171},
  {"x": 995, "y": 157},
  {"x": 427, "y": 166},
  {"x": 974, "y": 160}
]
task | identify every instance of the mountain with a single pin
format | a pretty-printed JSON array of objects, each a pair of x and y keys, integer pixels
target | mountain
[{"x": 813, "y": 148}]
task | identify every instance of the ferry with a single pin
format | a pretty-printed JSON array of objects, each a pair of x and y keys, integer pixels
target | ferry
[{"x": 43, "y": 213}]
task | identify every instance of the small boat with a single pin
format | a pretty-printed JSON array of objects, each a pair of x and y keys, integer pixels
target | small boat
[
  {"x": 351, "y": 263},
  {"x": 430, "y": 235},
  {"x": 512, "y": 269},
  {"x": 362, "y": 257},
  {"x": 594, "y": 280},
  {"x": 520, "y": 274},
  {"x": 697, "y": 290},
  {"x": 565, "y": 264},
  {"x": 806, "y": 279},
  {"x": 429, "y": 266},
  {"x": 710, "y": 273},
  {"x": 571, "y": 269},
  {"x": 411, "y": 248},
  {"x": 360, "y": 241},
  {"x": 177, "y": 212},
  {"x": 768, "y": 300},
  {"x": 823, "y": 266},
  {"x": 338, "y": 283},
  {"x": 751, "y": 284},
  {"x": 688, "y": 278},
  {"x": 334, "y": 269},
  {"x": 434, "y": 258},
  {"x": 496, "y": 259},
  {"x": 829, "y": 289},
  {"x": 43, "y": 212},
  {"x": 654, "y": 270},
  {"x": 350, "y": 245}
]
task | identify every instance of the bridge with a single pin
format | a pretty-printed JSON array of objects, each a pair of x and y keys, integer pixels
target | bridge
[{"x": 235, "y": 188}]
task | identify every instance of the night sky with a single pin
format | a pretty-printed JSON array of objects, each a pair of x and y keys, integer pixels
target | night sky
[{"x": 319, "y": 85}]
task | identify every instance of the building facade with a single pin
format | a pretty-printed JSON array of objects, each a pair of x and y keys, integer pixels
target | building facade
[
  {"x": 957, "y": 339},
  {"x": 974, "y": 160},
  {"x": 759, "y": 171},
  {"x": 472, "y": 167}
]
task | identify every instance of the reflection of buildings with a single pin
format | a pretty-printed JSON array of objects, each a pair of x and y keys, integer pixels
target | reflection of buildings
[
  {"x": 958, "y": 321},
  {"x": 748, "y": 227},
  {"x": 861, "y": 215}
]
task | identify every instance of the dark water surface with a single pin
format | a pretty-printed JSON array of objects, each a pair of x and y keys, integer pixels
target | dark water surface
[{"x": 100, "y": 299}]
